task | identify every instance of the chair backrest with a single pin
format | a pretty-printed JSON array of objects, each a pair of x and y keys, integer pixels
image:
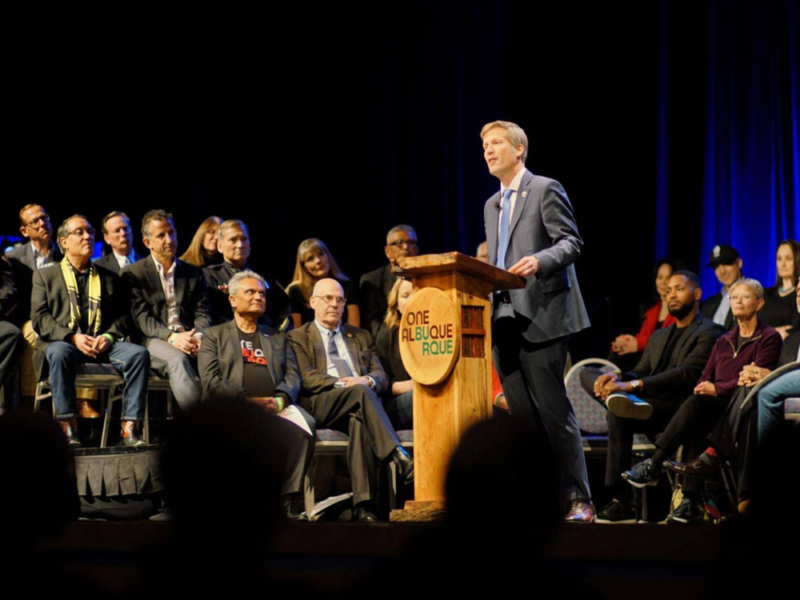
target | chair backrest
[{"x": 589, "y": 411}]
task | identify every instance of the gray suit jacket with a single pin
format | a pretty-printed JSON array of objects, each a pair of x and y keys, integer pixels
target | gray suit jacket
[
  {"x": 24, "y": 265},
  {"x": 221, "y": 367},
  {"x": 310, "y": 351},
  {"x": 542, "y": 224}
]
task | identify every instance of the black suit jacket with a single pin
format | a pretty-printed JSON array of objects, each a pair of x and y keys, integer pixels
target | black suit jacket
[
  {"x": 691, "y": 356},
  {"x": 50, "y": 310},
  {"x": 311, "y": 359},
  {"x": 8, "y": 288},
  {"x": 24, "y": 265},
  {"x": 373, "y": 294},
  {"x": 278, "y": 313},
  {"x": 109, "y": 261},
  {"x": 710, "y": 307},
  {"x": 221, "y": 367},
  {"x": 789, "y": 352},
  {"x": 149, "y": 305}
]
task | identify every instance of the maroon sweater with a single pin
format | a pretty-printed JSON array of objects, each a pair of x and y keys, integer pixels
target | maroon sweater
[{"x": 725, "y": 364}]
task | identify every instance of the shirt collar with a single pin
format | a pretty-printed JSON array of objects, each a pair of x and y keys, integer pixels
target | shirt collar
[
  {"x": 160, "y": 268},
  {"x": 515, "y": 183},
  {"x": 324, "y": 331}
]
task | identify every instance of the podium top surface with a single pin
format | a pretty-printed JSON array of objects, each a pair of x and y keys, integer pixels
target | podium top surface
[{"x": 455, "y": 261}]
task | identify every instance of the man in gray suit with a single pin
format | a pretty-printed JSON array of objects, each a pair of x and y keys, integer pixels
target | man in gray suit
[
  {"x": 118, "y": 234},
  {"x": 531, "y": 231}
]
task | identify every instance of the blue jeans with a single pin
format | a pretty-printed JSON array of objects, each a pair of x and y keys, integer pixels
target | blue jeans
[
  {"x": 400, "y": 410},
  {"x": 770, "y": 401},
  {"x": 132, "y": 360}
]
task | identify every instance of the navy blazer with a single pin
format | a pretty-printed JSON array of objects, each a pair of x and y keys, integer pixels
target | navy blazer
[{"x": 542, "y": 224}]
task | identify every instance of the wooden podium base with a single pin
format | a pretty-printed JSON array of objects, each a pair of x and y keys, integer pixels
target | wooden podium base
[{"x": 419, "y": 512}]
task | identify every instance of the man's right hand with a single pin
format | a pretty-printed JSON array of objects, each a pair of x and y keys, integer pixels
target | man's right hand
[
  {"x": 601, "y": 381},
  {"x": 85, "y": 343},
  {"x": 185, "y": 342}
]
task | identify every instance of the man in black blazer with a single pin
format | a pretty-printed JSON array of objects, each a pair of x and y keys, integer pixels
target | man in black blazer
[
  {"x": 233, "y": 241},
  {"x": 11, "y": 340},
  {"x": 245, "y": 360},
  {"x": 169, "y": 306},
  {"x": 645, "y": 400},
  {"x": 79, "y": 313},
  {"x": 342, "y": 382},
  {"x": 727, "y": 266},
  {"x": 375, "y": 286},
  {"x": 118, "y": 234}
]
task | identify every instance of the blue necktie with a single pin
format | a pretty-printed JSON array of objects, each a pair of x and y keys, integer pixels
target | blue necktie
[
  {"x": 502, "y": 243},
  {"x": 341, "y": 364}
]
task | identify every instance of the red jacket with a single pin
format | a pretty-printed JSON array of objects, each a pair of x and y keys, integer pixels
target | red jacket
[{"x": 650, "y": 324}]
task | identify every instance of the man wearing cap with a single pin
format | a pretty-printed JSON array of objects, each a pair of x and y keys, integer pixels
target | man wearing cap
[{"x": 728, "y": 268}]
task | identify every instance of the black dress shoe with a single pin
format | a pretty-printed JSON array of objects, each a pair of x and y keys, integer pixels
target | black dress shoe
[
  {"x": 363, "y": 514},
  {"x": 696, "y": 467},
  {"x": 291, "y": 505},
  {"x": 404, "y": 462}
]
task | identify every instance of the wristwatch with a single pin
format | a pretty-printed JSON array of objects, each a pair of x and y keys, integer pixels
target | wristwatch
[{"x": 636, "y": 384}]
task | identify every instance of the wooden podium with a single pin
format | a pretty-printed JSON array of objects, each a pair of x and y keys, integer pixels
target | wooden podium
[{"x": 446, "y": 346}]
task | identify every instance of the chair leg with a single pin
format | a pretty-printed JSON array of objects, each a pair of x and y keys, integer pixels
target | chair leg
[
  {"x": 392, "y": 485},
  {"x": 106, "y": 419},
  {"x": 147, "y": 419},
  {"x": 308, "y": 496}
]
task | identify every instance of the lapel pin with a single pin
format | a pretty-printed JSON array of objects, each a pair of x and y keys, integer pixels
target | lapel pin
[
  {"x": 349, "y": 335},
  {"x": 525, "y": 194}
]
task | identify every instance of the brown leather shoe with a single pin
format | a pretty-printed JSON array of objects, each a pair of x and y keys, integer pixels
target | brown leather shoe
[
  {"x": 86, "y": 410},
  {"x": 581, "y": 510},
  {"x": 129, "y": 436},
  {"x": 70, "y": 429},
  {"x": 693, "y": 468}
]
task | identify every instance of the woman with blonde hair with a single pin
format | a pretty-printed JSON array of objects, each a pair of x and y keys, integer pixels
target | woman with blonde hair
[
  {"x": 203, "y": 251},
  {"x": 398, "y": 401},
  {"x": 315, "y": 262}
]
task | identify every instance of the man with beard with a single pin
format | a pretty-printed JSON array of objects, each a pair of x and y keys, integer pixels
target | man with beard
[{"x": 671, "y": 364}]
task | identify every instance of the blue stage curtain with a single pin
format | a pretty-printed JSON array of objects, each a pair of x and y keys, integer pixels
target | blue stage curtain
[{"x": 751, "y": 195}]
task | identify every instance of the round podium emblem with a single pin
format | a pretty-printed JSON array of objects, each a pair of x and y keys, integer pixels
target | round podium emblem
[{"x": 429, "y": 343}]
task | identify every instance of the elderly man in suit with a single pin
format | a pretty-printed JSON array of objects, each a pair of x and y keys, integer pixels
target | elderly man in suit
[
  {"x": 375, "y": 286},
  {"x": 645, "y": 400},
  {"x": 245, "y": 360},
  {"x": 78, "y": 311},
  {"x": 118, "y": 234},
  {"x": 531, "y": 231},
  {"x": 342, "y": 383},
  {"x": 169, "y": 306}
]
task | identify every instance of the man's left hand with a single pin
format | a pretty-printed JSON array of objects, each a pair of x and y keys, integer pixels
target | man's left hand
[
  {"x": 101, "y": 344},
  {"x": 351, "y": 381},
  {"x": 526, "y": 267}
]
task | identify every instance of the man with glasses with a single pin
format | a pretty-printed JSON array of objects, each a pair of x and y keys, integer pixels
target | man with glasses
[
  {"x": 39, "y": 252},
  {"x": 342, "y": 383},
  {"x": 78, "y": 310},
  {"x": 375, "y": 286}
]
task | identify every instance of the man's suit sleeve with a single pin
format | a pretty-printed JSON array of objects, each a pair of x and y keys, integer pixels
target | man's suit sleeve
[
  {"x": 375, "y": 368},
  {"x": 42, "y": 318},
  {"x": 314, "y": 381},
  {"x": 8, "y": 287},
  {"x": 214, "y": 385},
  {"x": 121, "y": 325},
  {"x": 148, "y": 324},
  {"x": 202, "y": 306},
  {"x": 559, "y": 222},
  {"x": 290, "y": 386},
  {"x": 687, "y": 373}
]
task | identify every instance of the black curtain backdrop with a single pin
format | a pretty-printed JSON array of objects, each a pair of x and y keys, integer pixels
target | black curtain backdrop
[{"x": 341, "y": 121}]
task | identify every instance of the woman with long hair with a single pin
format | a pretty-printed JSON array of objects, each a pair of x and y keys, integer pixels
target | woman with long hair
[
  {"x": 315, "y": 262},
  {"x": 203, "y": 252},
  {"x": 779, "y": 300}
]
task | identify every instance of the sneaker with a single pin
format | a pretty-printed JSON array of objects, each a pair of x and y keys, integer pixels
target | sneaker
[
  {"x": 616, "y": 512},
  {"x": 689, "y": 511},
  {"x": 628, "y": 406},
  {"x": 642, "y": 474}
]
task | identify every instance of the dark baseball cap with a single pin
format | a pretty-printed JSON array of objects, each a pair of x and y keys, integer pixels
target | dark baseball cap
[{"x": 722, "y": 255}]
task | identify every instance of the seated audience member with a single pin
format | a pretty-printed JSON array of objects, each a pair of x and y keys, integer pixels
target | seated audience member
[
  {"x": 750, "y": 341},
  {"x": 203, "y": 251},
  {"x": 117, "y": 233},
  {"x": 169, "y": 306},
  {"x": 78, "y": 310},
  {"x": 728, "y": 268},
  {"x": 243, "y": 359},
  {"x": 315, "y": 262},
  {"x": 399, "y": 399},
  {"x": 11, "y": 340},
  {"x": 375, "y": 286},
  {"x": 645, "y": 399},
  {"x": 39, "y": 252},
  {"x": 656, "y": 317},
  {"x": 342, "y": 379},
  {"x": 779, "y": 300},
  {"x": 234, "y": 244}
]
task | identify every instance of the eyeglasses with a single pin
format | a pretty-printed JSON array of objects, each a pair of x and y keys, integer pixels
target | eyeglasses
[
  {"x": 742, "y": 297},
  {"x": 40, "y": 219},
  {"x": 407, "y": 243},
  {"x": 332, "y": 299},
  {"x": 79, "y": 232}
]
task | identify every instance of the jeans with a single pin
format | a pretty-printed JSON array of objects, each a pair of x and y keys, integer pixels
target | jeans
[{"x": 770, "y": 401}]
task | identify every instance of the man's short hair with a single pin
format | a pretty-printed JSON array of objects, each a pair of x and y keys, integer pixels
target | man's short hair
[
  {"x": 22, "y": 210},
  {"x": 398, "y": 228},
  {"x": 155, "y": 215},
  {"x": 515, "y": 134},
  {"x": 111, "y": 215},
  {"x": 230, "y": 224},
  {"x": 692, "y": 277},
  {"x": 63, "y": 229},
  {"x": 754, "y": 285},
  {"x": 236, "y": 281}
]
